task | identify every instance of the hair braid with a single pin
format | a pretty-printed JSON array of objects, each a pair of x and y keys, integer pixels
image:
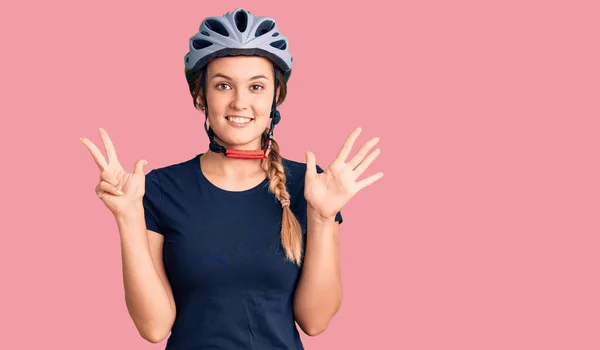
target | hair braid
[{"x": 291, "y": 232}]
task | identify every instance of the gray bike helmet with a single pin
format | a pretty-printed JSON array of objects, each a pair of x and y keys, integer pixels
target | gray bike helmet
[{"x": 238, "y": 33}]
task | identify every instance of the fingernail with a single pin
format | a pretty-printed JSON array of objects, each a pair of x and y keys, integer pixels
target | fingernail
[
  {"x": 119, "y": 192},
  {"x": 145, "y": 162}
]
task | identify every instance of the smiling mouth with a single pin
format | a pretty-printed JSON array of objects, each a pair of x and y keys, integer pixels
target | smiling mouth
[{"x": 239, "y": 120}]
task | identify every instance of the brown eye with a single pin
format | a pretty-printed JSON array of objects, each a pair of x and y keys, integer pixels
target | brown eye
[
  {"x": 222, "y": 86},
  {"x": 257, "y": 87}
]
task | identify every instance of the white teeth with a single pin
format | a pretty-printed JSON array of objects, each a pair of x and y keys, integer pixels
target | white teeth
[{"x": 239, "y": 120}]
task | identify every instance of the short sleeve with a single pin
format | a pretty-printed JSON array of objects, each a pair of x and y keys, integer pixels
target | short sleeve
[
  {"x": 338, "y": 216},
  {"x": 152, "y": 201}
]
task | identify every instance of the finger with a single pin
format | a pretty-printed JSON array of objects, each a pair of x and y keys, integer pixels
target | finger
[
  {"x": 99, "y": 192},
  {"x": 369, "y": 180},
  {"x": 123, "y": 181},
  {"x": 139, "y": 167},
  {"x": 109, "y": 177},
  {"x": 347, "y": 147},
  {"x": 109, "y": 188},
  {"x": 311, "y": 164},
  {"x": 111, "y": 154},
  {"x": 358, "y": 158},
  {"x": 365, "y": 163},
  {"x": 96, "y": 154}
]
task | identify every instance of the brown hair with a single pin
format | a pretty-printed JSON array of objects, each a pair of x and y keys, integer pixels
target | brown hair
[{"x": 291, "y": 232}]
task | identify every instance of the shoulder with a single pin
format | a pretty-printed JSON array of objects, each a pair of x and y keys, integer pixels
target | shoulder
[
  {"x": 169, "y": 178},
  {"x": 175, "y": 172},
  {"x": 162, "y": 183},
  {"x": 294, "y": 170},
  {"x": 178, "y": 167}
]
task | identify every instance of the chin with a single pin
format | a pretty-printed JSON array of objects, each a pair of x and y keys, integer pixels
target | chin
[{"x": 240, "y": 138}]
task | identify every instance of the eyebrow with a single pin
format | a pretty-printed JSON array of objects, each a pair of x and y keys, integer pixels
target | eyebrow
[{"x": 221, "y": 75}]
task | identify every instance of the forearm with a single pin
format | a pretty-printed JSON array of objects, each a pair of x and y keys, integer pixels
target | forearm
[
  {"x": 145, "y": 295},
  {"x": 319, "y": 291}
]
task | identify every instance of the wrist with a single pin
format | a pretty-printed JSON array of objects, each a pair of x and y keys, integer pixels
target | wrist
[
  {"x": 316, "y": 216},
  {"x": 133, "y": 212}
]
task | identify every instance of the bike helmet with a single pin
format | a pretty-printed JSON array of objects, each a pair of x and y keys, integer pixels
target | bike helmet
[{"x": 238, "y": 33}]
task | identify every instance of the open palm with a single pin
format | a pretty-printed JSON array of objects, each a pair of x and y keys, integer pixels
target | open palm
[{"x": 328, "y": 192}]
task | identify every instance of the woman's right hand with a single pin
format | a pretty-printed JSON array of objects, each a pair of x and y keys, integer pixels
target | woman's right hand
[{"x": 120, "y": 191}]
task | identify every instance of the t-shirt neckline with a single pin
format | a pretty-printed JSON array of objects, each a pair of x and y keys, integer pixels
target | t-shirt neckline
[{"x": 204, "y": 180}]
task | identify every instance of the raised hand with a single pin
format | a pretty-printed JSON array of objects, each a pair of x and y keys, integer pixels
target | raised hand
[
  {"x": 118, "y": 189},
  {"x": 328, "y": 192}
]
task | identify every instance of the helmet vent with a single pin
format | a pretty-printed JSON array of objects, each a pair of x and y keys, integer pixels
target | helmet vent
[
  {"x": 199, "y": 44},
  {"x": 279, "y": 44},
  {"x": 241, "y": 21},
  {"x": 264, "y": 28},
  {"x": 216, "y": 27}
]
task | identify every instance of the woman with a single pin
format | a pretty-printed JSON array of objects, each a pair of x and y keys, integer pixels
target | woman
[{"x": 229, "y": 249}]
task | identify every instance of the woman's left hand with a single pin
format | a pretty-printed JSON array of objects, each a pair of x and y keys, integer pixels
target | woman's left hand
[{"x": 328, "y": 192}]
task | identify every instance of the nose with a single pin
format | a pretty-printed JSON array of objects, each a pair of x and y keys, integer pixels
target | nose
[{"x": 240, "y": 100}]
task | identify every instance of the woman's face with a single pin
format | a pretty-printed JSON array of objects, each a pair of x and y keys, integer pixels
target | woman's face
[{"x": 239, "y": 93}]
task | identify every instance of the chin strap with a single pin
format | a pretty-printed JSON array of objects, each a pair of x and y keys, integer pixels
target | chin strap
[{"x": 214, "y": 146}]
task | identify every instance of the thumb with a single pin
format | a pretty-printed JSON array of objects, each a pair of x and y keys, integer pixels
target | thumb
[
  {"x": 139, "y": 167},
  {"x": 311, "y": 164}
]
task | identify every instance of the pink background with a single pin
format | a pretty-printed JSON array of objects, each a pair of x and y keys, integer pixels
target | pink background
[{"x": 483, "y": 233}]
